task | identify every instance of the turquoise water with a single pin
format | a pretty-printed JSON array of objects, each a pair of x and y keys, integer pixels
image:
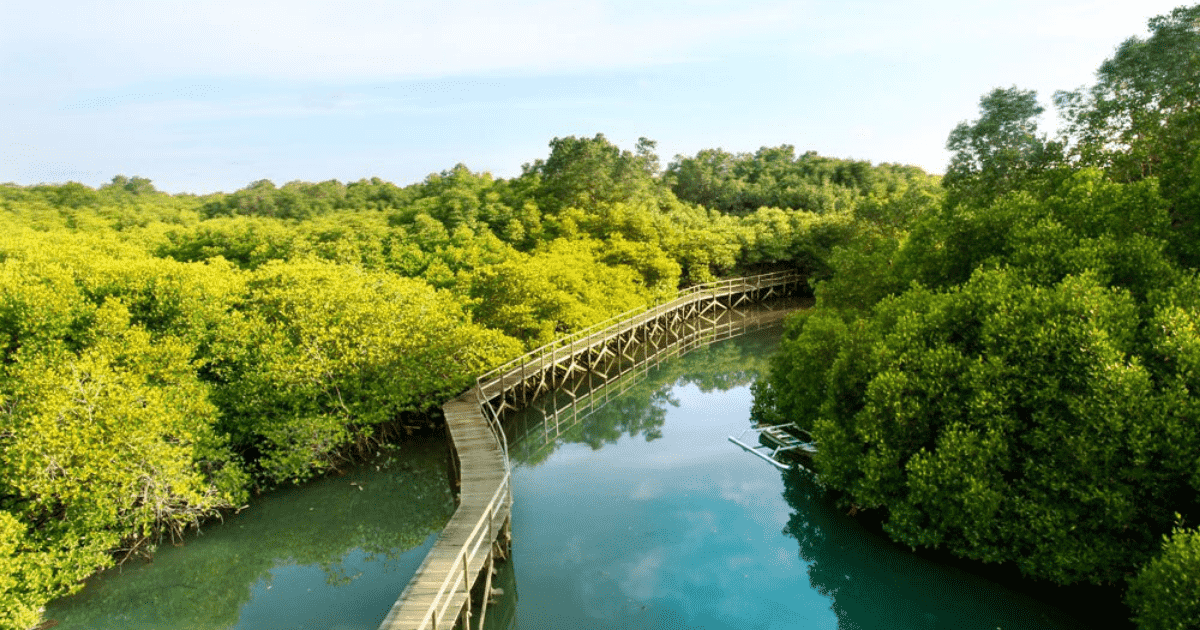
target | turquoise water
[
  {"x": 668, "y": 525},
  {"x": 330, "y": 555},
  {"x": 640, "y": 516}
]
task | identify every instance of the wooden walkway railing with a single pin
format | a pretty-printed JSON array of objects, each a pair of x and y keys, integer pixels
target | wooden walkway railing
[
  {"x": 440, "y": 592},
  {"x": 479, "y": 532},
  {"x": 515, "y": 384},
  {"x": 557, "y": 413}
]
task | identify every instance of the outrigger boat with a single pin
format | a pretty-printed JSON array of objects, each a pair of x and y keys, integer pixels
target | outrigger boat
[{"x": 782, "y": 440}]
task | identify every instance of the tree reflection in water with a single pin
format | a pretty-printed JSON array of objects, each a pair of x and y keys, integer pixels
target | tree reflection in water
[
  {"x": 642, "y": 411},
  {"x": 874, "y": 583},
  {"x": 679, "y": 534},
  {"x": 351, "y": 533}
]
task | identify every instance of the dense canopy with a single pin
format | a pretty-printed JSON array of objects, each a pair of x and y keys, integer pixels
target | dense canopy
[
  {"x": 1010, "y": 377},
  {"x": 166, "y": 355},
  {"x": 1002, "y": 363}
]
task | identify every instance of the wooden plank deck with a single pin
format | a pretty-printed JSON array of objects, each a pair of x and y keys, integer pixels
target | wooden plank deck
[
  {"x": 440, "y": 590},
  {"x": 484, "y": 479}
]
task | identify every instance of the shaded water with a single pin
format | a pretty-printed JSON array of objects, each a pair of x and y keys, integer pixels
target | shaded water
[
  {"x": 332, "y": 554},
  {"x": 644, "y": 516},
  {"x": 640, "y": 516}
]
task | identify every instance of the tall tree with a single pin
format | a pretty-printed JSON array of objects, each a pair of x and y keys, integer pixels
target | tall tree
[
  {"x": 1001, "y": 150},
  {"x": 706, "y": 179},
  {"x": 584, "y": 171},
  {"x": 1143, "y": 107},
  {"x": 1142, "y": 117}
]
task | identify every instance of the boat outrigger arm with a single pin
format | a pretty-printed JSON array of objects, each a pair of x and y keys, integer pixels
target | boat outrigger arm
[{"x": 781, "y": 442}]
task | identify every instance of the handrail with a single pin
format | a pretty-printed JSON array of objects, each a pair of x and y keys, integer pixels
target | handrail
[
  {"x": 459, "y": 569},
  {"x": 494, "y": 424},
  {"x": 462, "y": 562},
  {"x": 749, "y": 282}
]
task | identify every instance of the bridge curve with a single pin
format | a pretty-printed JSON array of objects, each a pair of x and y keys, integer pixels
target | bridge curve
[{"x": 479, "y": 532}]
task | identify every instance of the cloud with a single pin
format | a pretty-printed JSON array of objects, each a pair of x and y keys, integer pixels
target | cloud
[
  {"x": 650, "y": 488},
  {"x": 747, "y": 491},
  {"x": 643, "y": 576},
  {"x": 936, "y": 26},
  {"x": 298, "y": 40},
  {"x": 205, "y": 96}
]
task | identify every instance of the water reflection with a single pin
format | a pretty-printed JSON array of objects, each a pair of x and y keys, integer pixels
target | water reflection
[
  {"x": 334, "y": 553},
  {"x": 636, "y": 405},
  {"x": 874, "y": 583},
  {"x": 641, "y": 515}
]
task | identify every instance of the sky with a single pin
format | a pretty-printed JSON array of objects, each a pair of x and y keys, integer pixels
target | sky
[{"x": 206, "y": 96}]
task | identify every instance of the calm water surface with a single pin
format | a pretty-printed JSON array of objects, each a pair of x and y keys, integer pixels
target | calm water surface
[
  {"x": 330, "y": 555},
  {"x": 645, "y": 516},
  {"x": 641, "y": 516}
]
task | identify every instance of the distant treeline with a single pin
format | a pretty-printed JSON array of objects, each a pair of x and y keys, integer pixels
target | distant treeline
[
  {"x": 1013, "y": 376},
  {"x": 166, "y": 355}
]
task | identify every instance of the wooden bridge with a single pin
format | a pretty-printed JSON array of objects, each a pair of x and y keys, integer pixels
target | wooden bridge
[
  {"x": 479, "y": 533},
  {"x": 576, "y": 400}
]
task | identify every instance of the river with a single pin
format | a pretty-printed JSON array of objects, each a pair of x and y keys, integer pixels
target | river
[
  {"x": 330, "y": 554},
  {"x": 642, "y": 515},
  {"x": 645, "y": 516}
]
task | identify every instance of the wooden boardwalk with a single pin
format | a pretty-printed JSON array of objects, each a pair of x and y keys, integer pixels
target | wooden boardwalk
[
  {"x": 611, "y": 348},
  {"x": 479, "y": 533},
  {"x": 440, "y": 591}
]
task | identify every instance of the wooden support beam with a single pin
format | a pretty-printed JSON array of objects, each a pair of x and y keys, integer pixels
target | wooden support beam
[{"x": 591, "y": 366}]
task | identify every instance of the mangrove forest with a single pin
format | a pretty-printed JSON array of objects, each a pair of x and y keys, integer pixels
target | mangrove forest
[{"x": 1000, "y": 363}]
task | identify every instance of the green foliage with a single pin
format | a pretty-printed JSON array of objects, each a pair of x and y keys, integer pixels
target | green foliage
[
  {"x": 207, "y": 582},
  {"x": 776, "y": 177},
  {"x": 458, "y": 197},
  {"x": 336, "y": 350},
  {"x": 305, "y": 200},
  {"x": 659, "y": 272},
  {"x": 124, "y": 373},
  {"x": 1139, "y": 116},
  {"x": 1165, "y": 594},
  {"x": 295, "y": 200},
  {"x": 244, "y": 241},
  {"x": 862, "y": 271},
  {"x": 1001, "y": 151},
  {"x": 1139, "y": 120},
  {"x": 582, "y": 172},
  {"x": 135, "y": 187},
  {"x": 995, "y": 420},
  {"x": 704, "y": 242},
  {"x": 1084, "y": 222},
  {"x": 1011, "y": 373},
  {"x": 115, "y": 438},
  {"x": 26, "y": 576},
  {"x": 555, "y": 291},
  {"x": 163, "y": 354},
  {"x": 805, "y": 239},
  {"x": 949, "y": 407},
  {"x": 125, "y": 205},
  {"x": 106, "y": 435}
]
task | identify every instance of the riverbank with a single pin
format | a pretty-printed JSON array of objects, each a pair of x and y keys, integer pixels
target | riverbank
[
  {"x": 337, "y": 548},
  {"x": 643, "y": 515}
]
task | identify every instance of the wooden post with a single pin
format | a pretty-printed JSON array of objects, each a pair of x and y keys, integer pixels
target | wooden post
[
  {"x": 466, "y": 615},
  {"x": 487, "y": 582}
]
